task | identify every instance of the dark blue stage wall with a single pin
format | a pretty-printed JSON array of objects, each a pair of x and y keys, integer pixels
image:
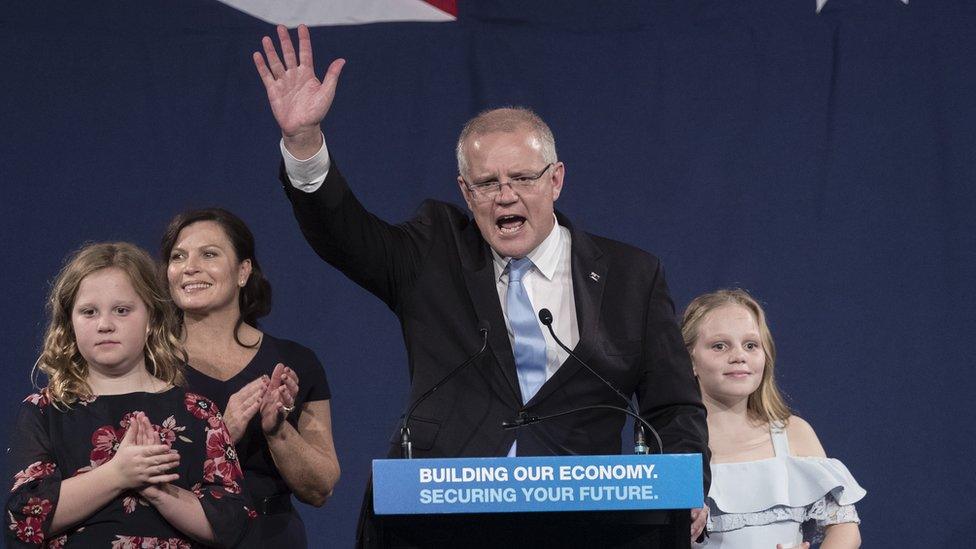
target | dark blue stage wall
[{"x": 826, "y": 163}]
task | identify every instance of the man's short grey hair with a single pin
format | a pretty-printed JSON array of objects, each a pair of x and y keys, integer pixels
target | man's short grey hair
[{"x": 506, "y": 119}]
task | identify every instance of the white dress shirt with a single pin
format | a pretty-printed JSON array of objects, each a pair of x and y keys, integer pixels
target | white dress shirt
[
  {"x": 307, "y": 175},
  {"x": 549, "y": 285}
]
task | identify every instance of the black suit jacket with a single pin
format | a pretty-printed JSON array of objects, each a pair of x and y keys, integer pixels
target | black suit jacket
[{"x": 436, "y": 273}]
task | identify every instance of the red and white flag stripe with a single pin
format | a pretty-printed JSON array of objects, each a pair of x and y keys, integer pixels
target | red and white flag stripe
[{"x": 345, "y": 12}]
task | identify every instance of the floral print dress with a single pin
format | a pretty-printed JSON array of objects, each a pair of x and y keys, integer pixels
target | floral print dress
[{"x": 49, "y": 445}]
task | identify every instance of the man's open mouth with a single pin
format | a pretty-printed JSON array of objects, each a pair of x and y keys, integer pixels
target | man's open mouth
[{"x": 510, "y": 223}]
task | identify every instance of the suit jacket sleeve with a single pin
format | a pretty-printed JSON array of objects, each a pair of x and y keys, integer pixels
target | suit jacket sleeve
[
  {"x": 668, "y": 394},
  {"x": 381, "y": 257}
]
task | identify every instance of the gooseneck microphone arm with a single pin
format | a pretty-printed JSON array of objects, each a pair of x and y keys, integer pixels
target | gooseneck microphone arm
[
  {"x": 406, "y": 446},
  {"x": 640, "y": 437},
  {"x": 523, "y": 419},
  {"x": 546, "y": 318}
]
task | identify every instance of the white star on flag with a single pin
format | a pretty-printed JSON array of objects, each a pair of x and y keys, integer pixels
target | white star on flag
[{"x": 822, "y": 3}]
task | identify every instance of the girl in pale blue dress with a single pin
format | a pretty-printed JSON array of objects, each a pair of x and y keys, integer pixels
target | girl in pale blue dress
[{"x": 772, "y": 484}]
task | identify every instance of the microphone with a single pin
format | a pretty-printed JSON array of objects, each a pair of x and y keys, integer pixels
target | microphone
[
  {"x": 640, "y": 437},
  {"x": 406, "y": 446}
]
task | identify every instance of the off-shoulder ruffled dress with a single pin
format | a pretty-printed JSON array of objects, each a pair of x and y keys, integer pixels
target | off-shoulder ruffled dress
[{"x": 783, "y": 499}]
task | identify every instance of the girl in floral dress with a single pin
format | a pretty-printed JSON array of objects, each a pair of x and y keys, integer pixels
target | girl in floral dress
[{"x": 113, "y": 453}]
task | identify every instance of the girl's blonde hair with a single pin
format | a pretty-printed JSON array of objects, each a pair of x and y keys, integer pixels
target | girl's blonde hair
[
  {"x": 60, "y": 360},
  {"x": 766, "y": 403}
]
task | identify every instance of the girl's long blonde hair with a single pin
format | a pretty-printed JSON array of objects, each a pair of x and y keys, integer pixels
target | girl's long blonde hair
[
  {"x": 766, "y": 403},
  {"x": 60, "y": 360}
]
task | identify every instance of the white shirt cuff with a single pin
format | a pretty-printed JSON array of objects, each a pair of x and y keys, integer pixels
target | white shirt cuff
[{"x": 307, "y": 175}]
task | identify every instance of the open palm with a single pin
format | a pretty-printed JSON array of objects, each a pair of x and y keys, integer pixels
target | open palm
[{"x": 299, "y": 101}]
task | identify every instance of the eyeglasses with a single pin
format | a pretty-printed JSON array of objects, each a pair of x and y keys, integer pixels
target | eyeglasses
[{"x": 488, "y": 190}]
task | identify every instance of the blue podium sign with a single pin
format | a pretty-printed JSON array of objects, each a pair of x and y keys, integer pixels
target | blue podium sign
[{"x": 537, "y": 484}]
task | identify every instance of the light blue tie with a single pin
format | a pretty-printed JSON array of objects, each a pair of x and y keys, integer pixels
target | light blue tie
[{"x": 530, "y": 346}]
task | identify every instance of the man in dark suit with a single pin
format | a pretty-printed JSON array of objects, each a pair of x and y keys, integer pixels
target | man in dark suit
[{"x": 445, "y": 274}]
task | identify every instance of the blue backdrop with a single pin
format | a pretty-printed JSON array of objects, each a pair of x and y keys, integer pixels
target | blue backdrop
[{"x": 826, "y": 163}]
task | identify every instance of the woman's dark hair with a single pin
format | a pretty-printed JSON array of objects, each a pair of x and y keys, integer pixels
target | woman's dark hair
[{"x": 255, "y": 297}]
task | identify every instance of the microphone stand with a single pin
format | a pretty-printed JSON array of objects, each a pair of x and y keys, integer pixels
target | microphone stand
[
  {"x": 640, "y": 436},
  {"x": 406, "y": 446},
  {"x": 524, "y": 419}
]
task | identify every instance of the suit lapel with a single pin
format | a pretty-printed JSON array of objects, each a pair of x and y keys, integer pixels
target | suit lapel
[
  {"x": 589, "y": 273},
  {"x": 479, "y": 277}
]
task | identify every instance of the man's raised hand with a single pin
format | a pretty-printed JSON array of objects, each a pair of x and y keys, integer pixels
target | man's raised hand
[{"x": 299, "y": 101}]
